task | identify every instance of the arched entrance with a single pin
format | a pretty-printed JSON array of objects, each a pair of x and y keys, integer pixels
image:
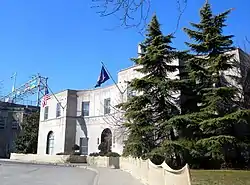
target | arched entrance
[
  {"x": 50, "y": 143},
  {"x": 106, "y": 141}
]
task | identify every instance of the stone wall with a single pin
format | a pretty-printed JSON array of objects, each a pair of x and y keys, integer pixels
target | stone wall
[
  {"x": 144, "y": 170},
  {"x": 34, "y": 158}
]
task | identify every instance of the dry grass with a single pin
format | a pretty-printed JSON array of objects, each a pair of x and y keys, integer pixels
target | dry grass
[{"x": 220, "y": 177}]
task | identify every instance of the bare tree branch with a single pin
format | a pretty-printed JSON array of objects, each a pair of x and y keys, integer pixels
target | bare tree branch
[
  {"x": 133, "y": 13},
  {"x": 181, "y": 12},
  {"x": 248, "y": 41}
]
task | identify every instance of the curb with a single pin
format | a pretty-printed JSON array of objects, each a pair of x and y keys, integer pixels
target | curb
[
  {"x": 96, "y": 180},
  {"x": 42, "y": 163}
]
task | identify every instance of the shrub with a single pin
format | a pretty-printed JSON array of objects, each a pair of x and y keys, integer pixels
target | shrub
[
  {"x": 157, "y": 159},
  {"x": 63, "y": 153},
  {"x": 103, "y": 147},
  {"x": 113, "y": 154},
  {"x": 95, "y": 154},
  {"x": 75, "y": 147}
]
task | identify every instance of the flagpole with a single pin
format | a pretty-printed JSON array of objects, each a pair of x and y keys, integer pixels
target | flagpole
[
  {"x": 54, "y": 95},
  {"x": 112, "y": 78},
  {"x": 56, "y": 98}
]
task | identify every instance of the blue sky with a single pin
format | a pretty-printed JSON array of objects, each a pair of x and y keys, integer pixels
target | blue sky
[{"x": 66, "y": 40}]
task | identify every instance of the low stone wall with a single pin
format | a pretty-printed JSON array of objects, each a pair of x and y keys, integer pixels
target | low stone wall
[
  {"x": 98, "y": 161},
  {"x": 112, "y": 162},
  {"x": 77, "y": 159},
  {"x": 39, "y": 158},
  {"x": 144, "y": 170}
]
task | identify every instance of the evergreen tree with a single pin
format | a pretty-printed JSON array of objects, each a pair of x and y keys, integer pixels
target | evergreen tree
[
  {"x": 27, "y": 140},
  {"x": 147, "y": 112},
  {"x": 213, "y": 129}
]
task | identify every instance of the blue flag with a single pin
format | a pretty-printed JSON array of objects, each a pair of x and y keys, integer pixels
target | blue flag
[{"x": 102, "y": 78}]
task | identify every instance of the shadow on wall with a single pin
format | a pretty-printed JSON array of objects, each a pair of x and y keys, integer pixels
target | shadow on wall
[{"x": 83, "y": 125}]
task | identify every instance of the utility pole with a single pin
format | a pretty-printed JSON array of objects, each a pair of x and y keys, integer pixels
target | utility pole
[{"x": 13, "y": 77}]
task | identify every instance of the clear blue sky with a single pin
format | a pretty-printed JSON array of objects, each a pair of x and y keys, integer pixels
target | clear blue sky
[{"x": 66, "y": 40}]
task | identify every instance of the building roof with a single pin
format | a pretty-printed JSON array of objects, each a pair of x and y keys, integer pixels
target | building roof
[{"x": 7, "y": 105}]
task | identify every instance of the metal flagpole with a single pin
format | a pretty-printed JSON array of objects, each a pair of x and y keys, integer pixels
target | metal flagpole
[
  {"x": 112, "y": 78},
  {"x": 14, "y": 85},
  {"x": 54, "y": 95}
]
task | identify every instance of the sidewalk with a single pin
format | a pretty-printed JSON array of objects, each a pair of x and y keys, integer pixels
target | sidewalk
[{"x": 107, "y": 176}]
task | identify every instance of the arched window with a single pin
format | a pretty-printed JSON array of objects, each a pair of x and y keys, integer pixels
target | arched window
[{"x": 50, "y": 143}]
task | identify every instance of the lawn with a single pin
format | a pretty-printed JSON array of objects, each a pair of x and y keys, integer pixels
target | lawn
[{"x": 219, "y": 177}]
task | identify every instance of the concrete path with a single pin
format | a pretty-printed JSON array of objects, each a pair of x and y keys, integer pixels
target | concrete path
[
  {"x": 12, "y": 173},
  {"x": 21, "y": 173},
  {"x": 107, "y": 176}
]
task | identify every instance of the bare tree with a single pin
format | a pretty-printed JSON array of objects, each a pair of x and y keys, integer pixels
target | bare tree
[{"x": 133, "y": 13}]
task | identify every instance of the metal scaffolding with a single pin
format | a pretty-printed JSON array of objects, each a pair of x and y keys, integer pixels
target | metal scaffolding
[{"x": 36, "y": 85}]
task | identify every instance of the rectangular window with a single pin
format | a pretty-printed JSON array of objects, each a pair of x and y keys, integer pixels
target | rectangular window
[
  {"x": 85, "y": 108},
  {"x": 2, "y": 123},
  {"x": 58, "y": 109},
  {"x": 107, "y": 106},
  {"x": 15, "y": 124},
  {"x": 46, "y": 112},
  {"x": 84, "y": 145}
]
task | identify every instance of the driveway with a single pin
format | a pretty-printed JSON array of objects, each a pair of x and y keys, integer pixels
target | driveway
[{"x": 12, "y": 173}]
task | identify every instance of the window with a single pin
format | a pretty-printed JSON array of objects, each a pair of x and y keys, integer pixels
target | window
[
  {"x": 130, "y": 93},
  {"x": 15, "y": 124},
  {"x": 50, "y": 143},
  {"x": 46, "y": 112},
  {"x": 85, "y": 108},
  {"x": 2, "y": 123},
  {"x": 84, "y": 145},
  {"x": 58, "y": 109},
  {"x": 107, "y": 106}
]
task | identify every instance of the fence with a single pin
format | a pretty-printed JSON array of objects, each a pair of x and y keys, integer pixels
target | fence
[{"x": 145, "y": 170}]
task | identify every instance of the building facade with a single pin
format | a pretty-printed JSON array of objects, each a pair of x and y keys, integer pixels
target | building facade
[
  {"x": 11, "y": 117},
  {"x": 88, "y": 117},
  {"x": 83, "y": 117}
]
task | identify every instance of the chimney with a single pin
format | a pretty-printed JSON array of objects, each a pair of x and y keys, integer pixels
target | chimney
[{"x": 139, "y": 50}]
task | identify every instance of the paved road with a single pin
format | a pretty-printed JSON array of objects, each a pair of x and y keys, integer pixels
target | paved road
[{"x": 34, "y": 174}]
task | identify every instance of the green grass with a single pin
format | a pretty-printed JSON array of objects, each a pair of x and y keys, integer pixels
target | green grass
[{"x": 220, "y": 177}]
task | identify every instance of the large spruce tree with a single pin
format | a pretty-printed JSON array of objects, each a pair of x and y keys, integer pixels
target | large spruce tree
[
  {"x": 147, "y": 112},
  {"x": 218, "y": 130}
]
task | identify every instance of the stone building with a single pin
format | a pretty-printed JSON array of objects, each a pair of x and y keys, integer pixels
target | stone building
[
  {"x": 11, "y": 117},
  {"x": 88, "y": 117}
]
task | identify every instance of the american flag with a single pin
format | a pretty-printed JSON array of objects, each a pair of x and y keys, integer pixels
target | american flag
[{"x": 46, "y": 97}]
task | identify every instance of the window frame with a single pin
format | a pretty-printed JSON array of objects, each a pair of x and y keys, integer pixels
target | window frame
[
  {"x": 107, "y": 109},
  {"x": 46, "y": 113},
  {"x": 3, "y": 123},
  {"x": 15, "y": 125},
  {"x": 58, "y": 110},
  {"x": 83, "y": 108}
]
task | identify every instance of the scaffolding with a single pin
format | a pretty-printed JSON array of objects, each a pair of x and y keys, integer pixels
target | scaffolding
[{"x": 36, "y": 86}]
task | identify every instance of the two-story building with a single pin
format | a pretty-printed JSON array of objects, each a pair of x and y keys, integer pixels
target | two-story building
[{"x": 88, "y": 117}]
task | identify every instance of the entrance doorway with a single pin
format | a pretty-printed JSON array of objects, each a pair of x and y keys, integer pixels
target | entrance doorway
[{"x": 106, "y": 141}]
